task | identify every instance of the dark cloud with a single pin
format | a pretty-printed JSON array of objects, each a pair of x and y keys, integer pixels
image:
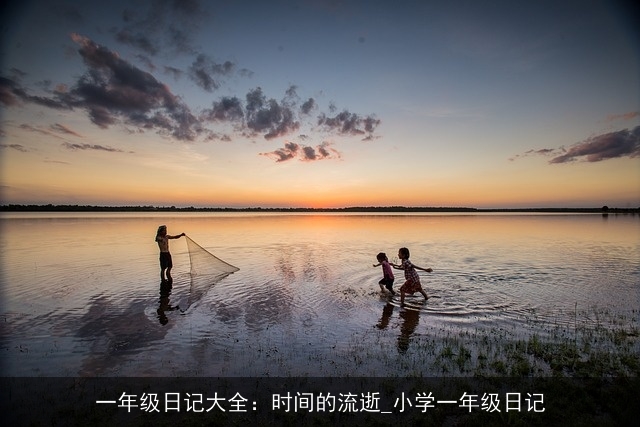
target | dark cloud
[
  {"x": 214, "y": 136},
  {"x": 114, "y": 90},
  {"x": 540, "y": 152},
  {"x": 46, "y": 132},
  {"x": 17, "y": 147},
  {"x": 288, "y": 152},
  {"x": 267, "y": 116},
  {"x": 305, "y": 153},
  {"x": 101, "y": 116},
  {"x": 13, "y": 94},
  {"x": 259, "y": 115},
  {"x": 624, "y": 143},
  {"x": 205, "y": 72},
  {"x": 321, "y": 152},
  {"x": 48, "y": 102},
  {"x": 346, "y": 123},
  {"x": 309, "y": 153},
  {"x": 98, "y": 147},
  {"x": 370, "y": 124},
  {"x": 64, "y": 129},
  {"x": 255, "y": 99},
  {"x": 227, "y": 109},
  {"x": 291, "y": 93},
  {"x": 308, "y": 106}
]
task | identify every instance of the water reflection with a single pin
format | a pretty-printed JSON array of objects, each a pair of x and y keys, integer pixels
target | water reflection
[
  {"x": 112, "y": 332},
  {"x": 165, "y": 302},
  {"x": 387, "y": 311},
  {"x": 410, "y": 319},
  {"x": 407, "y": 328},
  {"x": 94, "y": 308}
]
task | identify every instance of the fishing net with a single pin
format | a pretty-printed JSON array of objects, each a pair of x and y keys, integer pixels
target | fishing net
[
  {"x": 206, "y": 270},
  {"x": 204, "y": 263}
]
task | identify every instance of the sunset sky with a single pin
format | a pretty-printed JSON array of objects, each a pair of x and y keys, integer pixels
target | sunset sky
[{"x": 320, "y": 103}]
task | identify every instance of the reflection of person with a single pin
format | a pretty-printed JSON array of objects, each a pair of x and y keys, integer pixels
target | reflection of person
[
  {"x": 165, "y": 305},
  {"x": 387, "y": 273},
  {"x": 166, "y": 262},
  {"x": 408, "y": 326},
  {"x": 412, "y": 280},
  {"x": 410, "y": 323},
  {"x": 387, "y": 311}
]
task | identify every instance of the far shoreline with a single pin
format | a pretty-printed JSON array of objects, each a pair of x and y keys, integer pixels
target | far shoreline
[{"x": 353, "y": 209}]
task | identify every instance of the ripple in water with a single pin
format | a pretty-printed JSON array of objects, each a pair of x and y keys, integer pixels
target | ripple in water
[{"x": 306, "y": 300}]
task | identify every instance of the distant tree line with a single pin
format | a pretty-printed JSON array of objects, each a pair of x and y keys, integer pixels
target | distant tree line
[{"x": 92, "y": 208}]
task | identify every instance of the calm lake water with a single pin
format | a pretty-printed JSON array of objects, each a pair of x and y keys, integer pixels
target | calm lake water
[{"x": 81, "y": 293}]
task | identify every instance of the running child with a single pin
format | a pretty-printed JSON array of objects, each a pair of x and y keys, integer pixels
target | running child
[
  {"x": 387, "y": 273},
  {"x": 412, "y": 280}
]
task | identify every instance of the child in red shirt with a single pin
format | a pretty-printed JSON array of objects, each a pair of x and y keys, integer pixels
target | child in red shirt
[{"x": 387, "y": 273}]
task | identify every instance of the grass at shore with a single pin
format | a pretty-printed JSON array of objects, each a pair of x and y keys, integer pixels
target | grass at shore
[
  {"x": 596, "y": 344},
  {"x": 592, "y": 343}
]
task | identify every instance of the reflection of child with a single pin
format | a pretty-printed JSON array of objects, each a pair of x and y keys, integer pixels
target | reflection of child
[
  {"x": 412, "y": 283},
  {"x": 387, "y": 311},
  {"x": 387, "y": 273}
]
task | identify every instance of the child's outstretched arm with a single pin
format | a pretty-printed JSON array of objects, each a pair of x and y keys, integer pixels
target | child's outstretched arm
[
  {"x": 377, "y": 265},
  {"x": 428, "y": 270}
]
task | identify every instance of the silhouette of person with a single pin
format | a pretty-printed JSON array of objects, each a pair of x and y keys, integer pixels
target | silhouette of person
[
  {"x": 387, "y": 273},
  {"x": 166, "y": 263},
  {"x": 165, "y": 302},
  {"x": 412, "y": 283}
]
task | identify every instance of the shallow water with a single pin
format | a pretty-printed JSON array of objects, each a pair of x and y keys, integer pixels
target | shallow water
[{"x": 81, "y": 293}]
